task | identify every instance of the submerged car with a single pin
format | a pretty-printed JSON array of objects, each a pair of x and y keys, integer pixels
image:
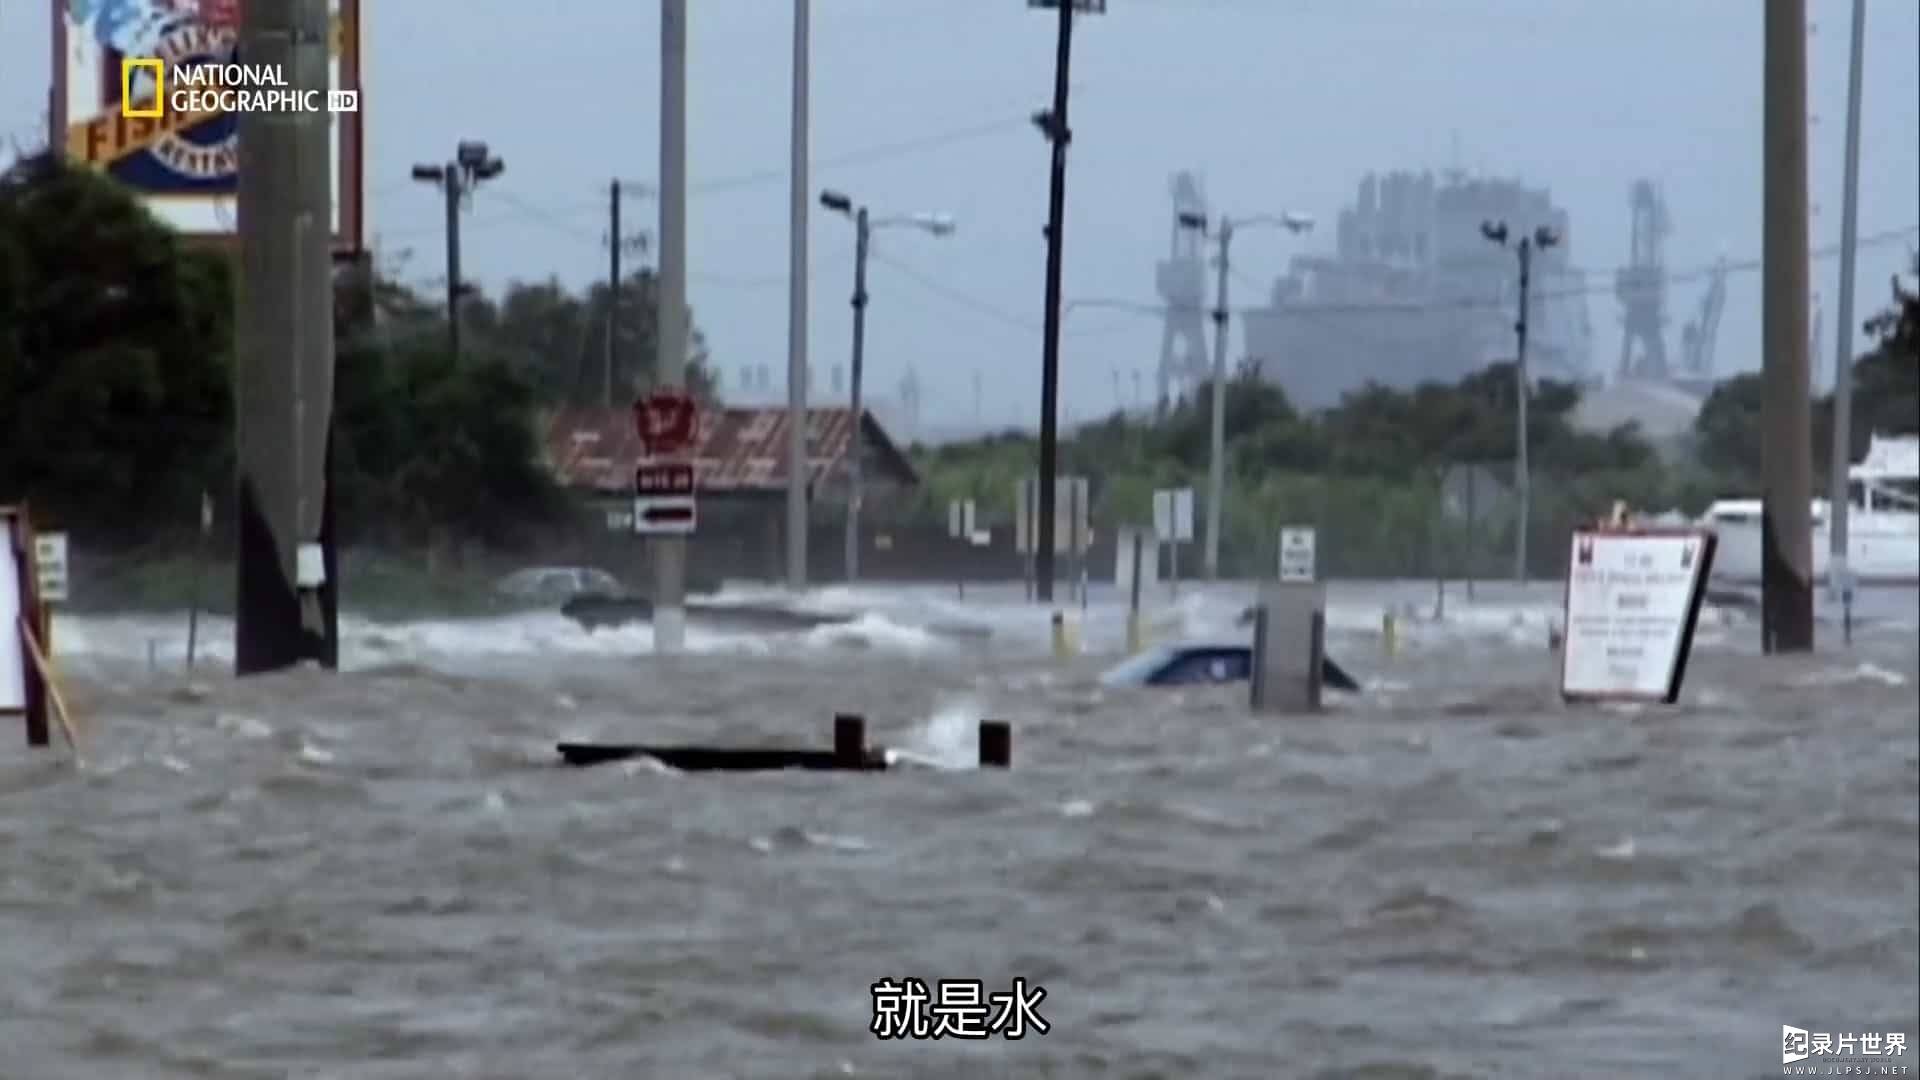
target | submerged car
[{"x": 1195, "y": 664}]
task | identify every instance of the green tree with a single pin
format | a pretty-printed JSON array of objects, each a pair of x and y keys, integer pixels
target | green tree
[
  {"x": 115, "y": 406},
  {"x": 1886, "y": 399}
]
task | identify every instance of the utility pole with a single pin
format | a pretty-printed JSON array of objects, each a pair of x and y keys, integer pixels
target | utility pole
[
  {"x": 1839, "y": 490},
  {"x": 287, "y": 592},
  {"x": 616, "y": 243},
  {"x": 1053, "y": 124},
  {"x": 451, "y": 186},
  {"x": 797, "y": 471},
  {"x": 670, "y": 321},
  {"x": 613, "y": 287},
  {"x": 456, "y": 180},
  {"x": 1541, "y": 238},
  {"x": 1786, "y": 466}
]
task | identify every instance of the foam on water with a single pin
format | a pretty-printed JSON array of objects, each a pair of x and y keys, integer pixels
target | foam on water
[{"x": 914, "y": 621}]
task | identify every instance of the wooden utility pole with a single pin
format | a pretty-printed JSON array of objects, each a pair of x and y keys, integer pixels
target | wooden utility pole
[
  {"x": 286, "y": 605},
  {"x": 1053, "y": 124},
  {"x": 1786, "y": 463}
]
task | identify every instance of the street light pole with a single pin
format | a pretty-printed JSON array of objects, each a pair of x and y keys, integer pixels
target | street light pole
[
  {"x": 856, "y": 442},
  {"x": 1839, "y": 490},
  {"x": 1541, "y": 238},
  {"x": 1217, "y": 436},
  {"x": 797, "y": 307},
  {"x": 863, "y": 226},
  {"x": 456, "y": 179}
]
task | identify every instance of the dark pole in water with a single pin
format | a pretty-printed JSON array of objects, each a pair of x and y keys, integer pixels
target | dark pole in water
[
  {"x": 1786, "y": 465},
  {"x": 996, "y": 744},
  {"x": 1053, "y": 124},
  {"x": 283, "y": 384}
]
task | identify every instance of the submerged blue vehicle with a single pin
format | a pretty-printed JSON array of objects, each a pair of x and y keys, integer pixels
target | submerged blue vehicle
[{"x": 1199, "y": 664}]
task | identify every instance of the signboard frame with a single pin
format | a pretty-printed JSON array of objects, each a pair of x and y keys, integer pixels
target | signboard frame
[
  {"x": 1173, "y": 515},
  {"x": 207, "y": 211},
  {"x": 1701, "y": 570},
  {"x": 1072, "y": 522}
]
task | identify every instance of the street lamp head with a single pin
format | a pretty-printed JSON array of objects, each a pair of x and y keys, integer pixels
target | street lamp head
[
  {"x": 1545, "y": 237},
  {"x": 1296, "y": 221},
  {"x": 427, "y": 174},
  {"x": 1494, "y": 231},
  {"x": 489, "y": 168},
  {"x": 835, "y": 201},
  {"x": 937, "y": 223},
  {"x": 472, "y": 154},
  {"x": 1190, "y": 220}
]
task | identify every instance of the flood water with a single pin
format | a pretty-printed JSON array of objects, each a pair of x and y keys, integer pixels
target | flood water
[{"x": 382, "y": 874}]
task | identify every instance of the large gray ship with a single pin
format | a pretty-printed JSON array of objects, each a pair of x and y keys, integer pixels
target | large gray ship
[{"x": 1414, "y": 292}]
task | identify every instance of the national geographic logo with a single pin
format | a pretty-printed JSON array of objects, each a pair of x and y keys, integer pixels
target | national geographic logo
[{"x": 207, "y": 89}]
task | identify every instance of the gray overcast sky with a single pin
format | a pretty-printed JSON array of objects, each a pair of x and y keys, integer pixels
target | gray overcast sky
[{"x": 923, "y": 104}]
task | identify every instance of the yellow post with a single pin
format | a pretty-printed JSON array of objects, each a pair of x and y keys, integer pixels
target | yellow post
[
  {"x": 1390, "y": 634},
  {"x": 1134, "y": 634}
]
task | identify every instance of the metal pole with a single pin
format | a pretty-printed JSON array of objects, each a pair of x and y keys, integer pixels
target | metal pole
[
  {"x": 1522, "y": 469},
  {"x": 1060, "y": 135},
  {"x": 451, "y": 183},
  {"x": 613, "y": 288},
  {"x": 284, "y": 350},
  {"x": 670, "y": 322},
  {"x": 1217, "y": 445},
  {"x": 1839, "y": 495},
  {"x": 1786, "y": 545},
  {"x": 797, "y": 471},
  {"x": 855, "y": 478}
]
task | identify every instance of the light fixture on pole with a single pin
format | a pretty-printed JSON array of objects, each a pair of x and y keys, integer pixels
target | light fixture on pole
[
  {"x": 863, "y": 226},
  {"x": 1295, "y": 223},
  {"x": 472, "y": 163},
  {"x": 1541, "y": 238}
]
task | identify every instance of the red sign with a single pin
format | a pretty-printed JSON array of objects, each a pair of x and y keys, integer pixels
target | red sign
[
  {"x": 666, "y": 421},
  {"x": 655, "y": 480}
]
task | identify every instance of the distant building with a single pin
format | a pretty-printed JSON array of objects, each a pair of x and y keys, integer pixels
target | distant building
[{"x": 1414, "y": 293}]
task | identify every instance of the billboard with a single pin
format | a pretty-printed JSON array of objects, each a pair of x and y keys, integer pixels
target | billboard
[{"x": 184, "y": 166}]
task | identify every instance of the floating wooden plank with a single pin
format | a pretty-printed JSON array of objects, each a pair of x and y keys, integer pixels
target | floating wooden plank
[{"x": 722, "y": 759}]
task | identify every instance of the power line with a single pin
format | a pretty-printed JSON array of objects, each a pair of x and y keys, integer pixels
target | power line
[
  {"x": 956, "y": 296},
  {"x": 738, "y": 181}
]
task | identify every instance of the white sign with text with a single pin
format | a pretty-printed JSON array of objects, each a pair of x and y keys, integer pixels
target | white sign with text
[
  {"x": 1632, "y": 599},
  {"x": 1297, "y": 545}
]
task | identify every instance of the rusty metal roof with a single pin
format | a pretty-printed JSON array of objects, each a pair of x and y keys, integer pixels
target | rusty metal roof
[{"x": 738, "y": 451}]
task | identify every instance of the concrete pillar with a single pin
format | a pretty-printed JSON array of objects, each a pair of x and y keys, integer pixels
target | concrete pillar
[{"x": 1289, "y": 647}]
